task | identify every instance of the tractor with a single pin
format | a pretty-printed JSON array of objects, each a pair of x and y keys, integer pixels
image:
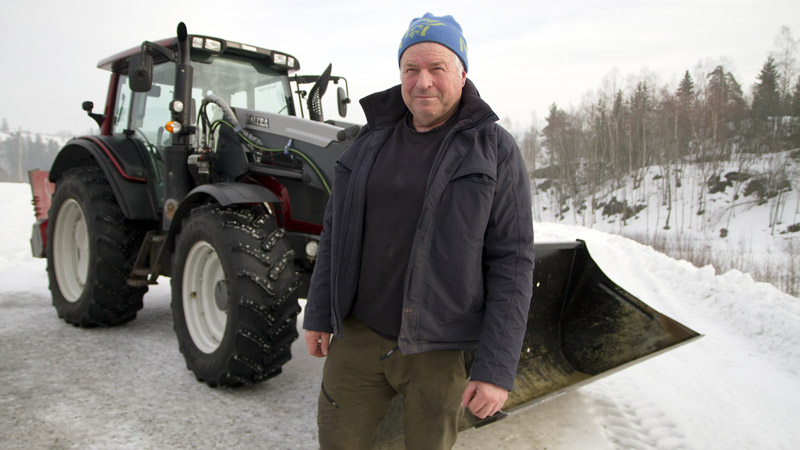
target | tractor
[{"x": 202, "y": 172}]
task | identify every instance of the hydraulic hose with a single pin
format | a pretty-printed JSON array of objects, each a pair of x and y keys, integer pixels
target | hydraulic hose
[
  {"x": 230, "y": 120},
  {"x": 229, "y": 117},
  {"x": 260, "y": 147}
]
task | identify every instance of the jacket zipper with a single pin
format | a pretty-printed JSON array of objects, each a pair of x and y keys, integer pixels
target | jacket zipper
[{"x": 424, "y": 213}]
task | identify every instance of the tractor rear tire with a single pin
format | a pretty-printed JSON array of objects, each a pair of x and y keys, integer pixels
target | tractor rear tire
[
  {"x": 90, "y": 252},
  {"x": 234, "y": 304}
]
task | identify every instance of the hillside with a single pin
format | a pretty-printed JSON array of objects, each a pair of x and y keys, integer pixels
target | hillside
[
  {"x": 32, "y": 151},
  {"x": 733, "y": 215}
]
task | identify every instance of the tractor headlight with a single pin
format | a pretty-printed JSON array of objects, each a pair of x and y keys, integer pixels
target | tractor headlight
[
  {"x": 311, "y": 249},
  {"x": 279, "y": 58},
  {"x": 211, "y": 45},
  {"x": 177, "y": 106}
]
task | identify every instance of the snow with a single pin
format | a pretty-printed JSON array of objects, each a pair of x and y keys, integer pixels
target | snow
[
  {"x": 734, "y": 229},
  {"x": 127, "y": 387}
]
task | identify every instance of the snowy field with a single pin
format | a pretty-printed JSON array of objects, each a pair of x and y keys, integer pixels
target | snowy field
[{"x": 61, "y": 387}]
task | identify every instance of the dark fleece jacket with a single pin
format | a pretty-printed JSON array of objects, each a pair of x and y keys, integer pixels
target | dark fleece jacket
[{"x": 469, "y": 279}]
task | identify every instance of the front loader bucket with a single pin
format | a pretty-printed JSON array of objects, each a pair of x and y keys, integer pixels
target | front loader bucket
[{"x": 581, "y": 327}]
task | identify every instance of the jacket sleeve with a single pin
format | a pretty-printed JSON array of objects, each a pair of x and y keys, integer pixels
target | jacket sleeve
[
  {"x": 508, "y": 270},
  {"x": 317, "y": 313}
]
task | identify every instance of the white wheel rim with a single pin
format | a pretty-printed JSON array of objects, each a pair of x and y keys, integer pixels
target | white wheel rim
[
  {"x": 204, "y": 319},
  {"x": 71, "y": 250}
]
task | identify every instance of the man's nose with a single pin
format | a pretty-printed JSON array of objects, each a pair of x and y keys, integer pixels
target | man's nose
[{"x": 425, "y": 79}]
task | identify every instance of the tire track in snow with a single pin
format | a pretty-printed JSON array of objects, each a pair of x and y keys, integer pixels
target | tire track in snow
[{"x": 634, "y": 423}]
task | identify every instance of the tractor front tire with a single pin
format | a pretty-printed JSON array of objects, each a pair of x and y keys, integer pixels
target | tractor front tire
[
  {"x": 234, "y": 304},
  {"x": 90, "y": 252}
]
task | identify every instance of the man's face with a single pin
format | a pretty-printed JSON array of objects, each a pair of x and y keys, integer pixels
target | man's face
[{"x": 431, "y": 84}]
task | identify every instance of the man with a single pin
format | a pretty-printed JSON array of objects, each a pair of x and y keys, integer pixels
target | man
[{"x": 427, "y": 248}]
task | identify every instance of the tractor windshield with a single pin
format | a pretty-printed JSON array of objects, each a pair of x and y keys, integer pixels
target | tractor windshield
[{"x": 241, "y": 82}]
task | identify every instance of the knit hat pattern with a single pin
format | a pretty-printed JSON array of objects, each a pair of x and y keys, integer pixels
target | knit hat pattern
[{"x": 440, "y": 29}]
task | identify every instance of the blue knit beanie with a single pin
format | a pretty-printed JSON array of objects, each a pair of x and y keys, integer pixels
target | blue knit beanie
[{"x": 440, "y": 29}]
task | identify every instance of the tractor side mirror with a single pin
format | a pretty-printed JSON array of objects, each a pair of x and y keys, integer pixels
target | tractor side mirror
[
  {"x": 140, "y": 72},
  {"x": 342, "y": 100},
  {"x": 88, "y": 107}
]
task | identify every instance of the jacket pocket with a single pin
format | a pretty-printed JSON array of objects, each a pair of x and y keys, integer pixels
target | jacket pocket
[
  {"x": 465, "y": 206},
  {"x": 341, "y": 168},
  {"x": 476, "y": 177}
]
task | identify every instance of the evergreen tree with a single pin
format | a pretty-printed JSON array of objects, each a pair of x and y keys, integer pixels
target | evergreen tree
[
  {"x": 767, "y": 106},
  {"x": 555, "y": 136},
  {"x": 796, "y": 115},
  {"x": 725, "y": 111},
  {"x": 685, "y": 107},
  {"x": 640, "y": 114},
  {"x": 562, "y": 139},
  {"x": 685, "y": 91},
  {"x": 602, "y": 138},
  {"x": 725, "y": 93},
  {"x": 766, "y": 98},
  {"x": 618, "y": 135},
  {"x": 796, "y": 100}
]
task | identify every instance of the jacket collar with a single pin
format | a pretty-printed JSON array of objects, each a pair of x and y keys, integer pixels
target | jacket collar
[{"x": 386, "y": 108}]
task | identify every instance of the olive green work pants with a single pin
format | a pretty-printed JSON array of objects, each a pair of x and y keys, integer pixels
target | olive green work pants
[{"x": 359, "y": 382}]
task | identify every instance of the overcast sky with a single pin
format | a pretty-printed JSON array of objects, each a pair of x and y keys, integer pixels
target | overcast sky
[{"x": 524, "y": 55}]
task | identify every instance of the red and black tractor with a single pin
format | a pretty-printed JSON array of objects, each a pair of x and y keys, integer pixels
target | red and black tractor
[{"x": 202, "y": 172}]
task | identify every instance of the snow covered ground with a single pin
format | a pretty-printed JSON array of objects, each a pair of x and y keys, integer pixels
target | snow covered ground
[
  {"x": 738, "y": 387},
  {"x": 735, "y": 229}
]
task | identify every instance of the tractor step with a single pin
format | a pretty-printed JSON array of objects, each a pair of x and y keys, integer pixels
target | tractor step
[{"x": 145, "y": 268}]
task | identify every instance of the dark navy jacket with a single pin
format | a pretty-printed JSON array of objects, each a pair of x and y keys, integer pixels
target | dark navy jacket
[{"x": 469, "y": 278}]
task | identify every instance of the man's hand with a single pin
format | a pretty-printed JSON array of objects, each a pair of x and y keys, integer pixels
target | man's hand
[
  {"x": 483, "y": 399},
  {"x": 318, "y": 343}
]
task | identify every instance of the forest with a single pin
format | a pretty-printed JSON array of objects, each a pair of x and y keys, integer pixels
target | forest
[
  {"x": 635, "y": 140},
  {"x": 21, "y": 151},
  {"x": 706, "y": 120}
]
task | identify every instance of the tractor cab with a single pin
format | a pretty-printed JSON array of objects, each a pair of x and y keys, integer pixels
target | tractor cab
[
  {"x": 252, "y": 84},
  {"x": 140, "y": 103}
]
